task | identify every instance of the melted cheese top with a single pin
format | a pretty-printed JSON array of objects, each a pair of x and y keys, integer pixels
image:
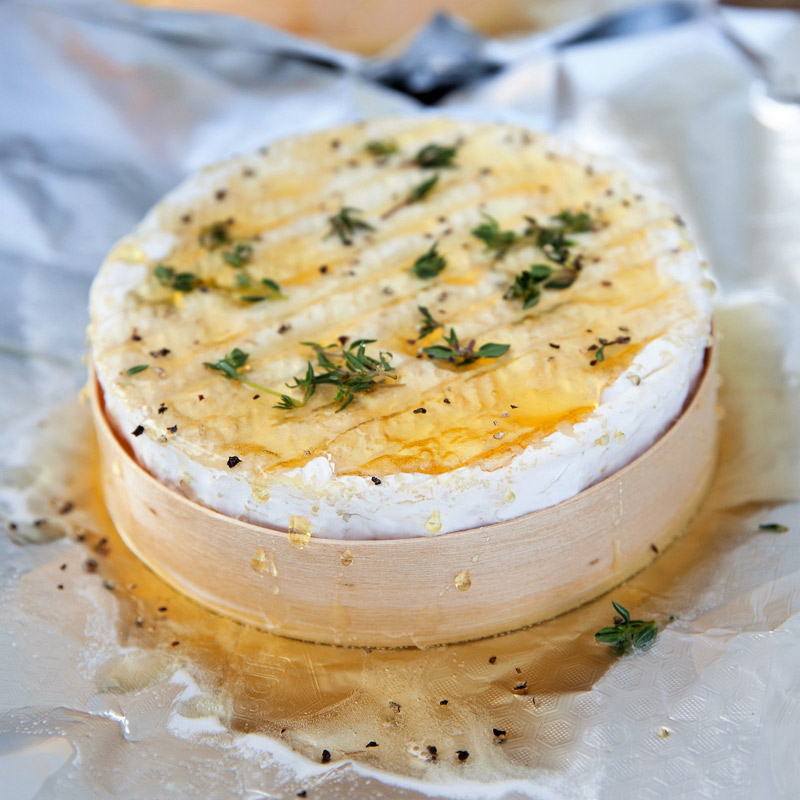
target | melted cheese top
[{"x": 279, "y": 203}]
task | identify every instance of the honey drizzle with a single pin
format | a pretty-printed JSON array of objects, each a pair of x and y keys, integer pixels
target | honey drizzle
[{"x": 360, "y": 441}]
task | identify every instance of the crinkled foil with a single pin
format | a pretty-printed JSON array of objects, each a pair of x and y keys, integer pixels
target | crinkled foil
[{"x": 113, "y": 685}]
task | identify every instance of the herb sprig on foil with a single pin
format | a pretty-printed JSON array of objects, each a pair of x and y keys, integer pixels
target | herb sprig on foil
[{"x": 627, "y": 634}]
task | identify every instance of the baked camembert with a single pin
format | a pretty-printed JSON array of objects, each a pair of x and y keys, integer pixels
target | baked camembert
[{"x": 398, "y": 328}]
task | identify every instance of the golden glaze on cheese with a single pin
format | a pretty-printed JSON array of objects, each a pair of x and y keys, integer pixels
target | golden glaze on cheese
[{"x": 284, "y": 198}]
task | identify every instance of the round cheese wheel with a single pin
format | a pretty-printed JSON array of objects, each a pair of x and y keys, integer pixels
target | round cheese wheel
[{"x": 398, "y": 328}]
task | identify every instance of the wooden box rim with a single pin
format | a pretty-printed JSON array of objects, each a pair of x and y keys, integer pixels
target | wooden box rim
[{"x": 401, "y": 592}]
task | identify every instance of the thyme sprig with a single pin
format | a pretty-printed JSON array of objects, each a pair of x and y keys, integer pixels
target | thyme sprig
[
  {"x": 626, "y": 633},
  {"x": 230, "y": 366},
  {"x": 461, "y": 355},
  {"x": 552, "y": 239},
  {"x": 490, "y": 233},
  {"x": 346, "y": 225},
  {"x": 574, "y": 223},
  {"x": 435, "y": 156},
  {"x": 417, "y": 193},
  {"x": 430, "y": 263},
  {"x": 178, "y": 281},
  {"x": 429, "y": 324},
  {"x": 350, "y": 369},
  {"x": 527, "y": 284}
]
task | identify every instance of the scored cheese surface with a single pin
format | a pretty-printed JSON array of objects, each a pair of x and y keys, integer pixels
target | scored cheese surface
[{"x": 434, "y": 447}]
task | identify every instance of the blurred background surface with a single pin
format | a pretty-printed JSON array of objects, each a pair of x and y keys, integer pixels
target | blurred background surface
[{"x": 368, "y": 26}]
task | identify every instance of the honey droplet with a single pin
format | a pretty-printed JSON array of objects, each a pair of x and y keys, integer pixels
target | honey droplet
[
  {"x": 260, "y": 494},
  {"x": 463, "y": 580},
  {"x": 434, "y": 523},
  {"x": 509, "y": 496},
  {"x": 619, "y": 437},
  {"x": 603, "y": 440},
  {"x": 260, "y": 560},
  {"x": 299, "y": 532},
  {"x": 347, "y": 558}
]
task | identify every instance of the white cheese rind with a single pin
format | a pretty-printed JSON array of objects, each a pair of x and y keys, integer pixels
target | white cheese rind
[{"x": 634, "y": 412}]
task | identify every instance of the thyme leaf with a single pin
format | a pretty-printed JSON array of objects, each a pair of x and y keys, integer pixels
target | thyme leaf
[
  {"x": 243, "y": 281},
  {"x": 434, "y": 156},
  {"x": 422, "y": 190},
  {"x": 137, "y": 369},
  {"x": 273, "y": 292},
  {"x": 773, "y": 527},
  {"x": 430, "y": 263},
  {"x": 626, "y": 633},
  {"x": 429, "y": 324}
]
